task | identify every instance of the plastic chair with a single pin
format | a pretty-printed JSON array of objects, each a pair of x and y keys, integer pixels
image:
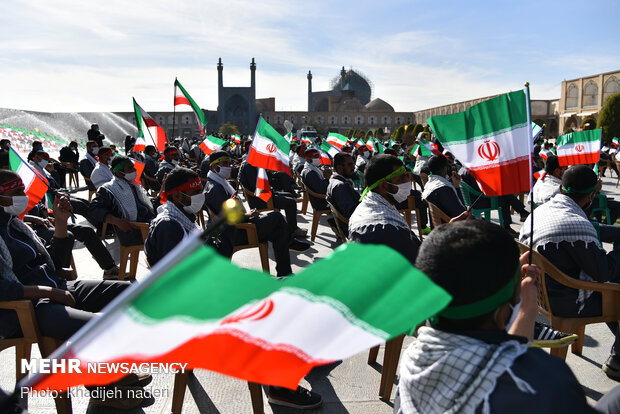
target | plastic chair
[
  {"x": 610, "y": 311},
  {"x": 132, "y": 253},
  {"x": 73, "y": 174},
  {"x": 90, "y": 192},
  {"x": 339, "y": 218},
  {"x": 602, "y": 207},
  {"x": 470, "y": 195},
  {"x": 438, "y": 217},
  {"x": 249, "y": 195},
  {"x": 316, "y": 214}
]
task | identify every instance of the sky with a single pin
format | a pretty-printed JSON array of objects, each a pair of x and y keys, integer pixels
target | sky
[{"x": 66, "y": 55}]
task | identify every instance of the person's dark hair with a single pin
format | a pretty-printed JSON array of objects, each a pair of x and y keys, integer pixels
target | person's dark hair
[
  {"x": 217, "y": 155},
  {"x": 168, "y": 149},
  {"x": 310, "y": 151},
  {"x": 90, "y": 144},
  {"x": 73, "y": 143},
  {"x": 118, "y": 160},
  {"x": 471, "y": 260},
  {"x": 437, "y": 163},
  {"x": 380, "y": 166},
  {"x": 389, "y": 151},
  {"x": 7, "y": 175},
  {"x": 149, "y": 148},
  {"x": 103, "y": 150},
  {"x": 300, "y": 150},
  {"x": 552, "y": 163},
  {"x": 2, "y": 141},
  {"x": 4, "y": 160},
  {"x": 340, "y": 158},
  {"x": 579, "y": 178},
  {"x": 36, "y": 144},
  {"x": 178, "y": 176}
]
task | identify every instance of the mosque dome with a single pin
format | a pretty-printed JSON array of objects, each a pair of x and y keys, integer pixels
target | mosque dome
[
  {"x": 379, "y": 105},
  {"x": 354, "y": 81}
]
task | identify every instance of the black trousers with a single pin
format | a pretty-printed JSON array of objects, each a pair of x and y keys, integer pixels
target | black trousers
[{"x": 59, "y": 321}]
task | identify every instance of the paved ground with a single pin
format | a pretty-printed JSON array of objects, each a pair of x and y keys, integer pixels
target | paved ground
[{"x": 348, "y": 387}]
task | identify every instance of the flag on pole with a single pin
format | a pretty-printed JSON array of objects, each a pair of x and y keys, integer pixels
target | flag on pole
[
  {"x": 261, "y": 330},
  {"x": 237, "y": 139},
  {"x": 492, "y": 140},
  {"x": 263, "y": 189},
  {"x": 536, "y": 130},
  {"x": 307, "y": 140},
  {"x": 337, "y": 140},
  {"x": 424, "y": 148},
  {"x": 579, "y": 147},
  {"x": 289, "y": 136},
  {"x": 210, "y": 144},
  {"x": 323, "y": 155},
  {"x": 146, "y": 121},
  {"x": 140, "y": 143},
  {"x": 139, "y": 166},
  {"x": 182, "y": 100},
  {"x": 269, "y": 149},
  {"x": 330, "y": 149},
  {"x": 615, "y": 142},
  {"x": 35, "y": 185}
]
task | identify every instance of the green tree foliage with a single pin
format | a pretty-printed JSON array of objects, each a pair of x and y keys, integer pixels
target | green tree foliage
[
  {"x": 368, "y": 134},
  {"x": 609, "y": 118},
  {"x": 399, "y": 133},
  {"x": 588, "y": 123},
  {"x": 417, "y": 129},
  {"x": 379, "y": 133},
  {"x": 228, "y": 129},
  {"x": 349, "y": 133}
]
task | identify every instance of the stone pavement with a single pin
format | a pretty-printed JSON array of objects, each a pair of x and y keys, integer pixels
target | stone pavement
[{"x": 350, "y": 386}]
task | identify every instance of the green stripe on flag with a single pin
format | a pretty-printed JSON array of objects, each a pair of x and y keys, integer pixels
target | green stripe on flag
[
  {"x": 265, "y": 130},
  {"x": 592, "y": 135},
  {"x": 199, "y": 114},
  {"x": 497, "y": 115}
]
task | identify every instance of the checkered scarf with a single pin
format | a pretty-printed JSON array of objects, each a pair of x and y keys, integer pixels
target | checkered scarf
[
  {"x": 444, "y": 372},
  {"x": 311, "y": 167},
  {"x": 561, "y": 220},
  {"x": 373, "y": 210},
  {"x": 124, "y": 195},
  {"x": 546, "y": 188},
  {"x": 435, "y": 182},
  {"x": 169, "y": 211}
]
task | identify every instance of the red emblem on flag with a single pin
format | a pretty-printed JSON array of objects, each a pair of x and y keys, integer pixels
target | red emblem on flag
[
  {"x": 489, "y": 150},
  {"x": 253, "y": 313},
  {"x": 271, "y": 148},
  {"x": 579, "y": 148}
]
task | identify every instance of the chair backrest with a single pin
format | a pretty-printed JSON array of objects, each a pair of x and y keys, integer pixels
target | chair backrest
[
  {"x": 313, "y": 194},
  {"x": 250, "y": 195},
  {"x": 339, "y": 218},
  {"x": 424, "y": 178},
  {"x": 438, "y": 217},
  {"x": 467, "y": 191},
  {"x": 544, "y": 308}
]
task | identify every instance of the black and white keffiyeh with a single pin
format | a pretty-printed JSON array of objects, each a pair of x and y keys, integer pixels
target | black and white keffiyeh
[
  {"x": 212, "y": 175},
  {"x": 169, "y": 211},
  {"x": 373, "y": 210},
  {"x": 546, "y": 188},
  {"x": 435, "y": 182},
  {"x": 91, "y": 159},
  {"x": 444, "y": 372},
  {"x": 101, "y": 175},
  {"x": 308, "y": 166},
  {"x": 124, "y": 195}
]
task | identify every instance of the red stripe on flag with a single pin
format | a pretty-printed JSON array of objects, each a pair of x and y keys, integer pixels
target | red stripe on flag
[
  {"x": 139, "y": 165},
  {"x": 578, "y": 159},
  {"x": 268, "y": 162},
  {"x": 503, "y": 179},
  {"x": 181, "y": 100}
]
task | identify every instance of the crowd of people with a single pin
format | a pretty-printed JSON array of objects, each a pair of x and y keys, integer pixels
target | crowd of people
[{"x": 472, "y": 357}]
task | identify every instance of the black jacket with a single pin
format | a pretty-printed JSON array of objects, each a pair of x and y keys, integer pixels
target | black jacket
[{"x": 317, "y": 184}]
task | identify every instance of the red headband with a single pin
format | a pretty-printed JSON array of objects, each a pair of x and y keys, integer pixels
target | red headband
[
  {"x": 101, "y": 154},
  {"x": 188, "y": 186},
  {"x": 11, "y": 185}
]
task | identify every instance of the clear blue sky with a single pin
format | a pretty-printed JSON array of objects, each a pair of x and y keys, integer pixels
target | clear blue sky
[{"x": 68, "y": 55}]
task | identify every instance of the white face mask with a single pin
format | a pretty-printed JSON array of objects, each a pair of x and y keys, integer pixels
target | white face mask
[
  {"x": 513, "y": 315},
  {"x": 403, "y": 192},
  {"x": 197, "y": 202},
  {"x": 131, "y": 176},
  {"x": 316, "y": 162},
  {"x": 43, "y": 163},
  {"x": 224, "y": 172},
  {"x": 365, "y": 154},
  {"x": 18, "y": 207},
  {"x": 95, "y": 150},
  {"x": 175, "y": 163}
]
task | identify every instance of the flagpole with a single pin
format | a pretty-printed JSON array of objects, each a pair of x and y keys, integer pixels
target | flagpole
[
  {"x": 232, "y": 212},
  {"x": 531, "y": 150},
  {"x": 174, "y": 107}
]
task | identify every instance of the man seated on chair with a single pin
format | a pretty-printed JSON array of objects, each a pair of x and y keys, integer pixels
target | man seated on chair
[
  {"x": 549, "y": 184},
  {"x": 564, "y": 235},
  {"x": 269, "y": 227},
  {"x": 441, "y": 192},
  {"x": 171, "y": 160},
  {"x": 465, "y": 361},
  {"x": 151, "y": 165},
  {"x": 376, "y": 219},
  {"x": 317, "y": 181},
  {"x": 176, "y": 218},
  {"x": 123, "y": 201},
  {"x": 88, "y": 163},
  {"x": 101, "y": 173},
  {"x": 340, "y": 192}
]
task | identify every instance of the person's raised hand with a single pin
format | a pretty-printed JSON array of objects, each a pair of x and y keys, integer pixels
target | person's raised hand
[
  {"x": 62, "y": 207},
  {"x": 465, "y": 215},
  {"x": 64, "y": 297}
]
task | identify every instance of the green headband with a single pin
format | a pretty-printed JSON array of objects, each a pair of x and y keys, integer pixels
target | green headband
[
  {"x": 485, "y": 305},
  {"x": 121, "y": 165},
  {"x": 393, "y": 174},
  {"x": 571, "y": 190}
]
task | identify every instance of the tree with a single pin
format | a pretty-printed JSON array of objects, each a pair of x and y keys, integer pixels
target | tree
[
  {"x": 417, "y": 129},
  {"x": 379, "y": 133},
  {"x": 588, "y": 123},
  {"x": 368, "y": 134},
  {"x": 399, "y": 133},
  {"x": 228, "y": 129},
  {"x": 609, "y": 118},
  {"x": 349, "y": 133},
  {"x": 409, "y": 137}
]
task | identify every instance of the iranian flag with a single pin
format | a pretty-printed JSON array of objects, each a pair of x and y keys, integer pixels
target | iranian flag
[
  {"x": 307, "y": 140},
  {"x": 269, "y": 149},
  {"x": 145, "y": 121},
  {"x": 183, "y": 101},
  {"x": 289, "y": 136},
  {"x": 536, "y": 130},
  {"x": 211, "y": 143},
  {"x": 424, "y": 148},
  {"x": 330, "y": 149},
  {"x": 236, "y": 139},
  {"x": 580, "y": 147},
  {"x": 615, "y": 142},
  {"x": 323, "y": 156},
  {"x": 35, "y": 185},
  {"x": 139, "y": 166},
  {"x": 140, "y": 143},
  {"x": 493, "y": 140},
  {"x": 249, "y": 325},
  {"x": 539, "y": 175},
  {"x": 337, "y": 140},
  {"x": 263, "y": 189}
]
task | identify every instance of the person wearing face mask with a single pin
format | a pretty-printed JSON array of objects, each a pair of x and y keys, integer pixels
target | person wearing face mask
[
  {"x": 497, "y": 371},
  {"x": 68, "y": 154},
  {"x": 40, "y": 161},
  {"x": 171, "y": 160},
  {"x": 340, "y": 191},
  {"x": 376, "y": 219},
  {"x": 362, "y": 159},
  {"x": 315, "y": 179},
  {"x": 182, "y": 198},
  {"x": 88, "y": 163},
  {"x": 122, "y": 201},
  {"x": 101, "y": 173},
  {"x": 566, "y": 237},
  {"x": 443, "y": 193},
  {"x": 151, "y": 165},
  {"x": 36, "y": 147}
]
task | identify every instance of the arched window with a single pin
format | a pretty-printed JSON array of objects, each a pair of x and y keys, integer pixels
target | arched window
[
  {"x": 160, "y": 120},
  {"x": 461, "y": 108},
  {"x": 590, "y": 94},
  {"x": 333, "y": 120},
  {"x": 292, "y": 118},
  {"x": 612, "y": 85},
  {"x": 171, "y": 118},
  {"x": 372, "y": 120},
  {"x": 386, "y": 120},
  {"x": 186, "y": 120},
  {"x": 359, "y": 120},
  {"x": 572, "y": 96},
  {"x": 319, "y": 119},
  {"x": 346, "y": 120},
  {"x": 278, "y": 120},
  {"x": 399, "y": 120}
]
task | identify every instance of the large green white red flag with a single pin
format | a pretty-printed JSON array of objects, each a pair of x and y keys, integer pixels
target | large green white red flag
[
  {"x": 35, "y": 185},
  {"x": 337, "y": 140},
  {"x": 492, "y": 140},
  {"x": 140, "y": 143},
  {"x": 330, "y": 149},
  {"x": 269, "y": 149},
  {"x": 146, "y": 122},
  {"x": 211, "y": 143},
  {"x": 182, "y": 101},
  {"x": 263, "y": 188},
  {"x": 249, "y": 325},
  {"x": 579, "y": 147}
]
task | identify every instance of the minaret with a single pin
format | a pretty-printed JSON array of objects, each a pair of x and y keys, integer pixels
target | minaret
[
  {"x": 220, "y": 90},
  {"x": 252, "y": 119},
  {"x": 309, "y": 91},
  {"x": 342, "y": 75}
]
